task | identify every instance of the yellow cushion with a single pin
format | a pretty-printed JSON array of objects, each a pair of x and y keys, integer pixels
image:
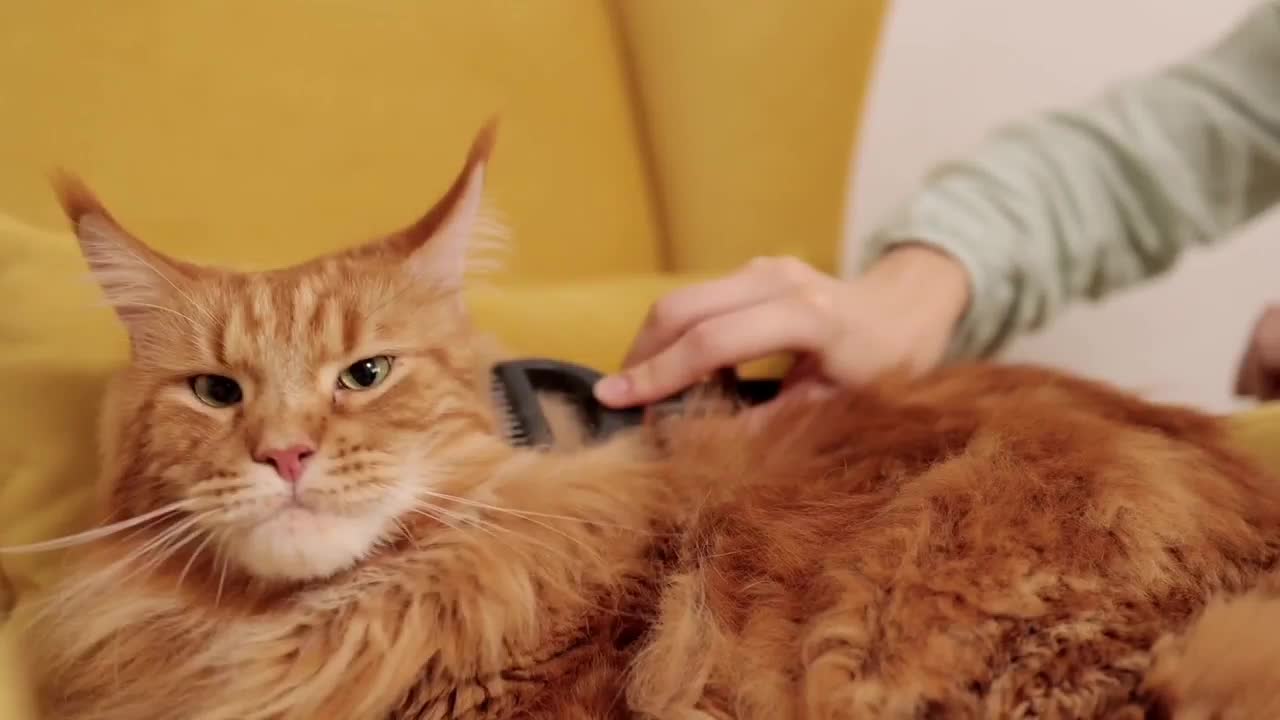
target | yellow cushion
[
  {"x": 1258, "y": 432},
  {"x": 276, "y": 130},
  {"x": 751, "y": 111}
]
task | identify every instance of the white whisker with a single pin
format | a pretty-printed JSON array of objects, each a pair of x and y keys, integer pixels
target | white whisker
[
  {"x": 478, "y": 523},
  {"x": 160, "y": 543},
  {"x": 95, "y": 581},
  {"x": 407, "y": 533},
  {"x": 191, "y": 560},
  {"x": 490, "y": 527},
  {"x": 91, "y": 535},
  {"x": 427, "y": 514},
  {"x": 527, "y": 513},
  {"x": 170, "y": 549},
  {"x": 222, "y": 579}
]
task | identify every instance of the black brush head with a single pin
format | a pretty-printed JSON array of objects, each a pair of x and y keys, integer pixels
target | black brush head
[
  {"x": 518, "y": 384},
  {"x": 521, "y": 382}
]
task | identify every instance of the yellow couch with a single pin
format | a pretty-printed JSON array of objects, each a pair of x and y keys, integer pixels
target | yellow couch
[{"x": 643, "y": 143}]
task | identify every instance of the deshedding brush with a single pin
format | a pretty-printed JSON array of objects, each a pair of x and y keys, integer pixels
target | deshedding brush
[{"x": 517, "y": 383}]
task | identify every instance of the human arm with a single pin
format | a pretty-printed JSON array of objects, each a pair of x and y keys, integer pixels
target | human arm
[
  {"x": 1069, "y": 205},
  {"x": 1080, "y": 203}
]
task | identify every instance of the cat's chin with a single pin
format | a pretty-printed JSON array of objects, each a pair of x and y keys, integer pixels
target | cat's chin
[{"x": 301, "y": 544}]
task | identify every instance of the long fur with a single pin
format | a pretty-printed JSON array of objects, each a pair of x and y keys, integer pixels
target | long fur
[{"x": 983, "y": 542}]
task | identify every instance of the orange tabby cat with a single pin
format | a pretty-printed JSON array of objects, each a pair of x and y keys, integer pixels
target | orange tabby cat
[{"x": 326, "y": 524}]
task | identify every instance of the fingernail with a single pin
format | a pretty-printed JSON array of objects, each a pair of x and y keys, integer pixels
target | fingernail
[{"x": 613, "y": 389}]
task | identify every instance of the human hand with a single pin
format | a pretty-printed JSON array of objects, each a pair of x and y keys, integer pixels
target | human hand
[
  {"x": 900, "y": 313},
  {"x": 1259, "y": 372}
]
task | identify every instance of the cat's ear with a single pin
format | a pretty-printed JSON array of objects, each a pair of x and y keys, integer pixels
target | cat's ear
[
  {"x": 135, "y": 279},
  {"x": 437, "y": 245}
]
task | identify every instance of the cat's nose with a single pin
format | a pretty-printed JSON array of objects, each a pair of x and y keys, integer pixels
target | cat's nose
[{"x": 289, "y": 462}]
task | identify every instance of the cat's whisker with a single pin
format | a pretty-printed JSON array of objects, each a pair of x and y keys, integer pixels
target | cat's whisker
[
  {"x": 525, "y": 541},
  {"x": 222, "y": 579},
  {"x": 472, "y": 520},
  {"x": 527, "y": 517},
  {"x": 404, "y": 530},
  {"x": 169, "y": 551},
  {"x": 485, "y": 526},
  {"x": 93, "y": 534},
  {"x": 162, "y": 544},
  {"x": 481, "y": 524},
  {"x": 111, "y": 573},
  {"x": 527, "y": 513},
  {"x": 191, "y": 560},
  {"x": 434, "y": 516},
  {"x": 219, "y": 550},
  {"x": 492, "y": 529}
]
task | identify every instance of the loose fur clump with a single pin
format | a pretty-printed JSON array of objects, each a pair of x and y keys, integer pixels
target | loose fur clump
[{"x": 308, "y": 512}]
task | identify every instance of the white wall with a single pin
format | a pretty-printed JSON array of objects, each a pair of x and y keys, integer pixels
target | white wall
[{"x": 951, "y": 70}]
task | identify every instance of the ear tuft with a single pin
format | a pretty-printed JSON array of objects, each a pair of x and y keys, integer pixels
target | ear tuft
[
  {"x": 77, "y": 200},
  {"x": 482, "y": 145},
  {"x": 449, "y": 207},
  {"x": 436, "y": 246},
  {"x": 74, "y": 196}
]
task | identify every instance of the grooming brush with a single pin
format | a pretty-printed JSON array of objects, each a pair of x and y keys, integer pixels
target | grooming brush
[{"x": 517, "y": 383}]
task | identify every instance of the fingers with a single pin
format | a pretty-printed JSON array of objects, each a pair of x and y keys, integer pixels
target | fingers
[
  {"x": 672, "y": 316},
  {"x": 795, "y": 322},
  {"x": 1259, "y": 371},
  {"x": 1267, "y": 336},
  {"x": 1247, "y": 380}
]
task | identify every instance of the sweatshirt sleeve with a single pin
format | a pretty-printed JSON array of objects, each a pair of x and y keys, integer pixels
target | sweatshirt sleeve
[{"x": 1078, "y": 203}]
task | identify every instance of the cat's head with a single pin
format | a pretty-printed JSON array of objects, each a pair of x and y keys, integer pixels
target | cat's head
[{"x": 293, "y": 417}]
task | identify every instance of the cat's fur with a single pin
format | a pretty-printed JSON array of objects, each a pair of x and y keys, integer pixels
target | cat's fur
[{"x": 985, "y": 542}]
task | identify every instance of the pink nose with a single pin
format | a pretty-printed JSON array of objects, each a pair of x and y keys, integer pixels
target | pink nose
[{"x": 288, "y": 462}]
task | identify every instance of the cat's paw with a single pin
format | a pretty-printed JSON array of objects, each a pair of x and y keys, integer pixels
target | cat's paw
[{"x": 1225, "y": 666}]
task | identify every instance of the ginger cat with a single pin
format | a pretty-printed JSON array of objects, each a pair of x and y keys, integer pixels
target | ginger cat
[{"x": 317, "y": 519}]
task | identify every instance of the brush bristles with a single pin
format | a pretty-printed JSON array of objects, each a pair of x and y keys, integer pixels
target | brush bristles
[{"x": 511, "y": 429}]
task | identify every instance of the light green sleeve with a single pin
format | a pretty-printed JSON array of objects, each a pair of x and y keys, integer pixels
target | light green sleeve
[{"x": 1079, "y": 203}]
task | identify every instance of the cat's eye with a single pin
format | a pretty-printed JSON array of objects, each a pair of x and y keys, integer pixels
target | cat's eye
[
  {"x": 365, "y": 374},
  {"x": 216, "y": 391}
]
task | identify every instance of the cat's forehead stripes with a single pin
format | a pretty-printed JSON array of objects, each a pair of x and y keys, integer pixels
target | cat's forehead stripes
[{"x": 292, "y": 323}]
